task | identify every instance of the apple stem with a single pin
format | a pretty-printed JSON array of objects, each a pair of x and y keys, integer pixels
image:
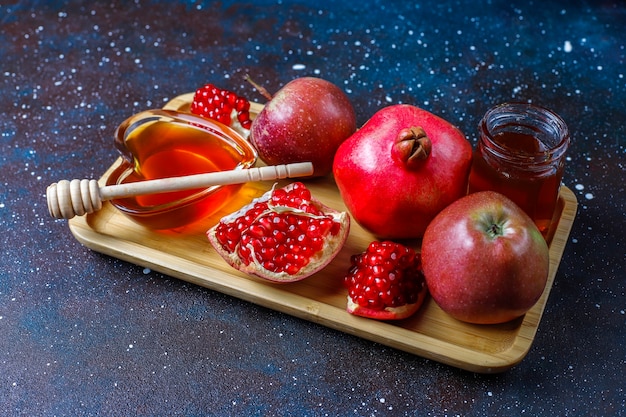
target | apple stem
[
  {"x": 495, "y": 230},
  {"x": 259, "y": 88}
]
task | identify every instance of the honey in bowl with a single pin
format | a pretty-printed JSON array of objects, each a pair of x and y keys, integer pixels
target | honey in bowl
[
  {"x": 521, "y": 154},
  {"x": 161, "y": 144}
]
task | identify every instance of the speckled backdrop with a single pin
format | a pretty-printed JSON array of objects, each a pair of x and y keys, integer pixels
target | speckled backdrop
[{"x": 85, "y": 334}]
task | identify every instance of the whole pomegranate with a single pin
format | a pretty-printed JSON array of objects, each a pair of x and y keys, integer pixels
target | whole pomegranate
[
  {"x": 306, "y": 120},
  {"x": 283, "y": 236},
  {"x": 400, "y": 169}
]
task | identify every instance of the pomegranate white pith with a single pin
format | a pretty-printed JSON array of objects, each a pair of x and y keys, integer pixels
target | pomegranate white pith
[
  {"x": 387, "y": 313},
  {"x": 283, "y": 236}
]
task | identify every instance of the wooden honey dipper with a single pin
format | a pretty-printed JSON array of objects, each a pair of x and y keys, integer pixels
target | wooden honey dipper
[{"x": 67, "y": 199}]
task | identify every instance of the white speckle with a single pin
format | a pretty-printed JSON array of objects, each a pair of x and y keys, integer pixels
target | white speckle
[
  {"x": 579, "y": 187},
  {"x": 298, "y": 67},
  {"x": 567, "y": 47},
  {"x": 146, "y": 271},
  {"x": 490, "y": 394},
  {"x": 382, "y": 400},
  {"x": 388, "y": 99},
  {"x": 589, "y": 196}
]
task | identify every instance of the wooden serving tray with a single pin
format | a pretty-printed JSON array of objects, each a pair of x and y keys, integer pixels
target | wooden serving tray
[{"x": 186, "y": 254}]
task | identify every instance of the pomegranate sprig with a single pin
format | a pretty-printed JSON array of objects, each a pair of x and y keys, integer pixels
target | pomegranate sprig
[{"x": 224, "y": 106}]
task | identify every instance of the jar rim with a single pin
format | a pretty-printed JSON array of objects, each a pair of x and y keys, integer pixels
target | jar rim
[{"x": 528, "y": 117}]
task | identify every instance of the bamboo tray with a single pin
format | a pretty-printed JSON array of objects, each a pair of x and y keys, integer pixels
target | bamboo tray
[{"x": 186, "y": 254}]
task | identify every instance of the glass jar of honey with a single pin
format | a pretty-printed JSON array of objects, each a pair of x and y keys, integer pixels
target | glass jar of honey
[{"x": 521, "y": 154}]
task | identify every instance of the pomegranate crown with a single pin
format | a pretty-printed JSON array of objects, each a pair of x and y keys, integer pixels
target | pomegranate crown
[{"x": 412, "y": 147}]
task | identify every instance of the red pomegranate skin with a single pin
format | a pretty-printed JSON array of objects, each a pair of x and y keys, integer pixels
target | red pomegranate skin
[
  {"x": 306, "y": 120},
  {"x": 382, "y": 193}
]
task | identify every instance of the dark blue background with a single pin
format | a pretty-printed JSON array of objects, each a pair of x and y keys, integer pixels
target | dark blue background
[{"x": 85, "y": 334}]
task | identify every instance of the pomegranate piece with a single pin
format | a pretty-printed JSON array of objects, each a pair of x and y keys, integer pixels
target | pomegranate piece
[
  {"x": 285, "y": 235},
  {"x": 224, "y": 106},
  {"x": 385, "y": 282}
]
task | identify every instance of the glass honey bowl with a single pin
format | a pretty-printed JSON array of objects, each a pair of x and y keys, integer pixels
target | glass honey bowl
[{"x": 158, "y": 144}]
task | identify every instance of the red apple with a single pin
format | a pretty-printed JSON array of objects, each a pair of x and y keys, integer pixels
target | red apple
[
  {"x": 484, "y": 259},
  {"x": 306, "y": 120}
]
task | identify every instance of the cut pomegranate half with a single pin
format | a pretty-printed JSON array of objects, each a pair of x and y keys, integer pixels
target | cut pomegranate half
[
  {"x": 385, "y": 282},
  {"x": 224, "y": 106},
  {"x": 283, "y": 236}
]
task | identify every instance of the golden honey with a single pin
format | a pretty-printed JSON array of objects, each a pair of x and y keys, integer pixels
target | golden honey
[{"x": 161, "y": 144}]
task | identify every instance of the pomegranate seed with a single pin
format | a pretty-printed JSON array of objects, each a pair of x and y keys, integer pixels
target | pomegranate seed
[
  {"x": 231, "y": 99},
  {"x": 242, "y": 105}
]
